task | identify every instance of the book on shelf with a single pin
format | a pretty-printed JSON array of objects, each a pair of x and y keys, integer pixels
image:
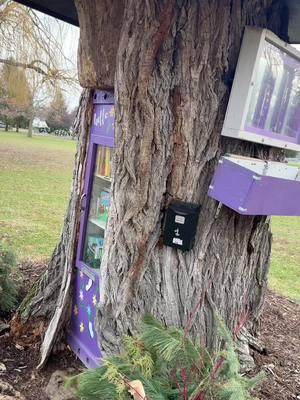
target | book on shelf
[
  {"x": 94, "y": 251},
  {"x": 103, "y": 164},
  {"x": 107, "y": 162},
  {"x": 103, "y": 203}
]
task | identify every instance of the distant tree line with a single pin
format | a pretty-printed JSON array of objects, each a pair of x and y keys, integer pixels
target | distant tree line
[
  {"x": 19, "y": 107},
  {"x": 56, "y": 114}
]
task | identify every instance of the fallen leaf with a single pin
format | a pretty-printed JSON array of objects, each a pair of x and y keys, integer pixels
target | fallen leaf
[{"x": 136, "y": 389}]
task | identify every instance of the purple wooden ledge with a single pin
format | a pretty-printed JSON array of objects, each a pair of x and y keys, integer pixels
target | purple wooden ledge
[{"x": 256, "y": 187}]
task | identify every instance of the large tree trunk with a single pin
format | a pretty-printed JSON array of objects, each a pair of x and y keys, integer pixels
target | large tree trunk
[
  {"x": 29, "y": 132},
  {"x": 171, "y": 64},
  {"x": 174, "y": 67}
]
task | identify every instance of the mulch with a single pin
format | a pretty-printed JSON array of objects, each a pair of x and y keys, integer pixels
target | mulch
[
  {"x": 21, "y": 365},
  {"x": 21, "y": 357},
  {"x": 279, "y": 331}
]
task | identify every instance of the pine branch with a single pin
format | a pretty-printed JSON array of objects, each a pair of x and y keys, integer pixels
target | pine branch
[{"x": 175, "y": 370}]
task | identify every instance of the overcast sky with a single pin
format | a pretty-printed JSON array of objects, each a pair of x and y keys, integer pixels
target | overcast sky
[
  {"x": 70, "y": 44},
  {"x": 68, "y": 36}
]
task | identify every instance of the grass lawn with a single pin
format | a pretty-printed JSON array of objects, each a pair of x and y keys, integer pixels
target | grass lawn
[
  {"x": 285, "y": 265},
  {"x": 35, "y": 178}
]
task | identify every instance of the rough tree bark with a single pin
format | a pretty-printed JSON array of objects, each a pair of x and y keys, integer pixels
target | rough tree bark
[
  {"x": 171, "y": 64},
  {"x": 175, "y": 63},
  {"x": 99, "y": 40}
]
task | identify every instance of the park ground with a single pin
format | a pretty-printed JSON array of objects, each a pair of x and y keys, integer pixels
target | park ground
[{"x": 35, "y": 180}]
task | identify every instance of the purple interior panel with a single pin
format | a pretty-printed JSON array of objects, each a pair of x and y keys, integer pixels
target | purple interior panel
[
  {"x": 272, "y": 135},
  {"x": 250, "y": 193},
  {"x": 275, "y": 99}
]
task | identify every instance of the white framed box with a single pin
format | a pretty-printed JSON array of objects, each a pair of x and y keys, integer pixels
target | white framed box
[{"x": 264, "y": 103}]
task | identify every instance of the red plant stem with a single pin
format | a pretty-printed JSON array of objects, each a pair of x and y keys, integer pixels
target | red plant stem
[
  {"x": 241, "y": 322},
  {"x": 173, "y": 376},
  {"x": 179, "y": 388},
  {"x": 200, "y": 396},
  {"x": 243, "y": 316},
  {"x": 197, "y": 307},
  {"x": 191, "y": 371},
  {"x": 217, "y": 366},
  {"x": 184, "y": 380}
]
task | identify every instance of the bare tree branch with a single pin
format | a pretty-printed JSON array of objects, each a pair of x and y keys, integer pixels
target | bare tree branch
[{"x": 24, "y": 65}]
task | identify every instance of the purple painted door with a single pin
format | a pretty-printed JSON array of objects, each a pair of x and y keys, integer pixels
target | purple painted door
[{"x": 95, "y": 203}]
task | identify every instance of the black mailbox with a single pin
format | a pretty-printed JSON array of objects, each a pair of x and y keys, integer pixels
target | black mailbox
[{"x": 181, "y": 224}]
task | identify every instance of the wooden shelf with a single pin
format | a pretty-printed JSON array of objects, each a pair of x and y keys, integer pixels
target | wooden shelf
[
  {"x": 97, "y": 222},
  {"x": 104, "y": 178}
]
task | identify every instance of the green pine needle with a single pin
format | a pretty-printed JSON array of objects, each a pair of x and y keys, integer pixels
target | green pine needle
[
  {"x": 170, "y": 367},
  {"x": 8, "y": 290}
]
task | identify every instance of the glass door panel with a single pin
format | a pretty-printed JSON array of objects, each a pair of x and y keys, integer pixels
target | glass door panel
[{"x": 98, "y": 208}]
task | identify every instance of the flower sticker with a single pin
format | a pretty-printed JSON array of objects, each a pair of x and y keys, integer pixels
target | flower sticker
[
  {"x": 81, "y": 295},
  {"x": 91, "y": 330},
  {"x": 81, "y": 327},
  {"x": 89, "y": 310},
  {"x": 94, "y": 300},
  {"x": 75, "y": 310}
]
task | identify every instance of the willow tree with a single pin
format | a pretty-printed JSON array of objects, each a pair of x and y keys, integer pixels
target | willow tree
[
  {"x": 33, "y": 45},
  {"x": 171, "y": 64},
  {"x": 15, "y": 94}
]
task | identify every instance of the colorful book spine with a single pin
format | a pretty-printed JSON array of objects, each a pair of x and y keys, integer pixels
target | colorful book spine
[
  {"x": 103, "y": 164},
  {"x": 107, "y": 162}
]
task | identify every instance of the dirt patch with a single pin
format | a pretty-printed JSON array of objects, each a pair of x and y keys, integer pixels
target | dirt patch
[
  {"x": 21, "y": 365},
  {"x": 280, "y": 331},
  {"x": 20, "y": 356}
]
